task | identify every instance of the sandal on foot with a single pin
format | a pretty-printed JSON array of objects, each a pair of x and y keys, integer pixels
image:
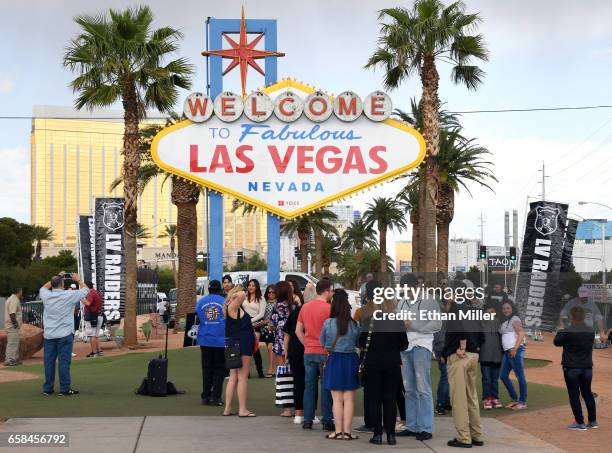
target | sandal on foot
[
  {"x": 334, "y": 436},
  {"x": 349, "y": 436},
  {"x": 229, "y": 415},
  {"x": 249, "y": 415}
]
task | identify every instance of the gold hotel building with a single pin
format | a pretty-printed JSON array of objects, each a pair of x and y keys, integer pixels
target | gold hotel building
[{"x": 76, "y": 155}]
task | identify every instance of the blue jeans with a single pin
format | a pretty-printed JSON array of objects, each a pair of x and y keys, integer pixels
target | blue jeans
[
  {"x": 516, "y": 365},
  {"x": 416, "y": 373},
  {"x": 578, "y": 381},
  {"x": 312, "y": 374},
  {"x": 490, "y": 387},
  {"x": 58, "y": 348},
  {"x": 443, "y": 387}
]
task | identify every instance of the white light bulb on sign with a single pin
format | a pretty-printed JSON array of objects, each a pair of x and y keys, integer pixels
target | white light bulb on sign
[
  {"x": 348, "y": 106},
  {"x": 258, "y": 107},
  {"x": 288, "y": 106},
  {"x": 198, "y": 107},
  {"x": 228, "y": 106},
  {"x": 318, "y": 107},
  {"x": 377, "y": 106}
]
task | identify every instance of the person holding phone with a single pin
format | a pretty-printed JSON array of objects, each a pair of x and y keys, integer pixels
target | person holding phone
[{"x": 58, "y": 333}]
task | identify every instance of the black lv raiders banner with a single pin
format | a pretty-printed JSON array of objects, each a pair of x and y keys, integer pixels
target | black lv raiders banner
[
  {"x": 568, "y": 245},
  {"x": 110, "y": 255},
  {"x": 537, "y": 296},
  {"x": 86, "y": 248}
]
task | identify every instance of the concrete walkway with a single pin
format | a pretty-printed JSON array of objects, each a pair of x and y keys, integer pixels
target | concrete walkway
[{"x": 231, "y": 434}]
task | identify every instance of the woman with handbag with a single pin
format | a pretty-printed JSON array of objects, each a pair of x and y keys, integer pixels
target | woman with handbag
[
  {"x": 382, "y": 342},
  {"x": 339, "y": 337},
  {"x": 266, "y": 335},
  {"x": 240, "y": 343},
  {"x": 284, "y": 305},
  {"x": 255, "y": 306},
  {"x": 294, "y": 355}
]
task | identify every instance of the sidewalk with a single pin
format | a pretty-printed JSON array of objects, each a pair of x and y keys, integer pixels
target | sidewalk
[{"x": 231, "y": 434}]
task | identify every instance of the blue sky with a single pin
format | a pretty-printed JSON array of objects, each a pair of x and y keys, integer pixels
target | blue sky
[{"x": 543, "y": 54}]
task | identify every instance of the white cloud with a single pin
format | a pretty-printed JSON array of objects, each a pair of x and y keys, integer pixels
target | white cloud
[
  {"x": 15, "y": 183},
  {"x": 6, "y": 85}
]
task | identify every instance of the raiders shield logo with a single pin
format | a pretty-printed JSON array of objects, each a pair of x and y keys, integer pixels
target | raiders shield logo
[
  {"x": 113, "y": 216},
  {"x": 546, "y": 220}
]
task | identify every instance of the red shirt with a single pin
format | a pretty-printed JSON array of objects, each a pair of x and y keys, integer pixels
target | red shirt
[
  {"x": 312, "y": 315},
  {"x": 96, "y": 302}
]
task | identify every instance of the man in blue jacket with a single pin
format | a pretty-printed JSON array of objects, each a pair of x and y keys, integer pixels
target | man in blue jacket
[{"x": 211, "y": 339}]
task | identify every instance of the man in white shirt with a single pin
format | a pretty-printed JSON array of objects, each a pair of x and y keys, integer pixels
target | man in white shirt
[
  {"x": 58, "y": 319},
  {"x": 416, "y": 361}
]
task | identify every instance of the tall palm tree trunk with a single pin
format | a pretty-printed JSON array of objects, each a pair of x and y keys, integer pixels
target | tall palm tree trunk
[
  {"x": 38, "y": 250},
  {"x": 185, "y": 196},
  {"x": 415, "y": 244},
  {"x": 173, "y": 256},
  {"x": 131, "y": 165},
  {"x": 445, "y": 214},
  {"x": 382, "y": 235},
  {"x": 303, "y": 236},
  {"x": 428, "y": 190},
  {"x": 318, "y": 238},
  {"x": 186, "y": 224}
]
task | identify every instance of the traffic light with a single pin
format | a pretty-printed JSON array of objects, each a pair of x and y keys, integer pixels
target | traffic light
[
  {"x": 482, "y": 254},
  {"x": 513, "y": 253},
  {"x": 239, "y": 257}
]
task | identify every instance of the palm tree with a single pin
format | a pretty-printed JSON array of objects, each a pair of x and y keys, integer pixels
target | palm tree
[
  {"x": 304, "y": 226},
  {"x": 142, "y": 232},
  {"x": 351, "y": 269},
  {"x": 41, "y": 233},
  {"x": 122, "y": 58},
  {"x": 412, "y": 43},
  {"x": 357, "y": 236},
  {"x": 461, "y": 162},
  {"x": 385, "y": 213},
  {"x": 184, "y": 196},
  {"x": 322, "y": 224},
  {"x": 408, "y": 199},
  {"x": 330, "y": 251},
  {"x": 409, "y": 196},
  {"x": 170, "y": 232}
]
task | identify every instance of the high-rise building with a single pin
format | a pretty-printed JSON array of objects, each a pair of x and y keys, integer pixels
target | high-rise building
[
  {"x": 345, "y": 217},
  {"x": 76, "y": 155},
  {"x": 403, "y": 256},
  {"x": 462, "y": 254}
]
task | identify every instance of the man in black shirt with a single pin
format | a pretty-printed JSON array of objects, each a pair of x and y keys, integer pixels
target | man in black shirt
[{"x": 577, "y": 342}]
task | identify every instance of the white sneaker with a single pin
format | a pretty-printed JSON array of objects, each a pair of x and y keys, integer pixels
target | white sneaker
[
  {"x": 298, "y": 420},
  {"x": 73, "y": 354},
  {"x": 316, "y": 421}
]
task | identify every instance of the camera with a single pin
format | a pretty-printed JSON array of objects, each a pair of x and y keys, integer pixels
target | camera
[{"x": 68, "y": 276}]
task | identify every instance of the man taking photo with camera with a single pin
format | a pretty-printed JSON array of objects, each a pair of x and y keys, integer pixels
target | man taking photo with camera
[{"x": 58, "y": 323}]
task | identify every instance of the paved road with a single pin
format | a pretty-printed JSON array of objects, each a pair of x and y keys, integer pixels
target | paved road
[{"x": 231, "y": 434}]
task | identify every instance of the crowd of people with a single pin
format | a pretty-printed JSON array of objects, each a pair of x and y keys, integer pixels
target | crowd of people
[{"x": 332, "y": 352}]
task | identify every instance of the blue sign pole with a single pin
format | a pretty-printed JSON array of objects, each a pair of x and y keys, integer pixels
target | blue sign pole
[{"x": 216, "y": 30}]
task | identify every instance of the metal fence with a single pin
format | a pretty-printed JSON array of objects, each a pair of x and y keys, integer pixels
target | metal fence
[{"x": 146, "y": 303}]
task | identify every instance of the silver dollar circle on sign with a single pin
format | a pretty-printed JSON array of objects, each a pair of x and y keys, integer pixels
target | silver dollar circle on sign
[
  {"x": 228, "y": 106},
  {"x": 377, "y": 106},
  {"x": 288, "y": 106},
  {"x": 258, "y": 107}
]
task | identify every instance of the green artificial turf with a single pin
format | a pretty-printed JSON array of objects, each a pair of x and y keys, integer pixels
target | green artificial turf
[{"x": 107, "y": 389}]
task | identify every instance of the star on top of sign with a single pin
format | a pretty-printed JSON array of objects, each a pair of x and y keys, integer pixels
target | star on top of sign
[{"x": 243, "y": 54}]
